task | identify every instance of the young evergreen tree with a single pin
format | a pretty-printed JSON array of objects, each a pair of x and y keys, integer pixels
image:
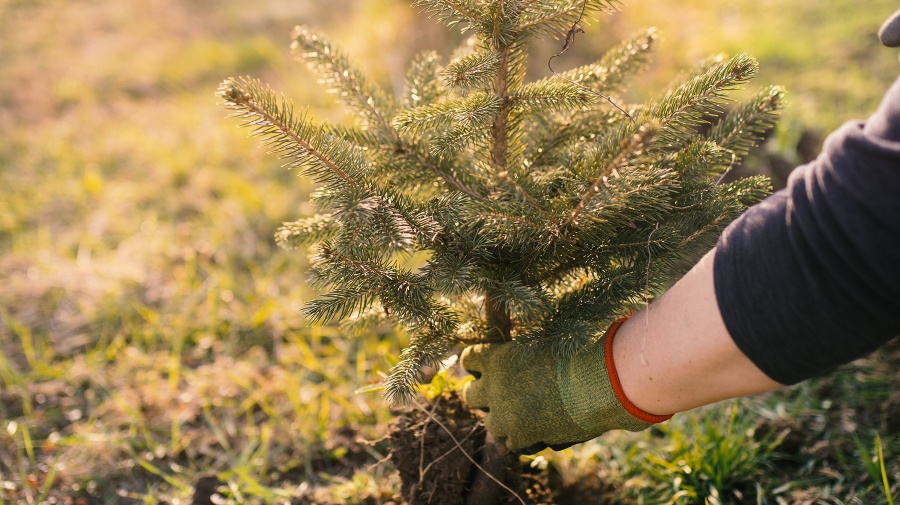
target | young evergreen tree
[{"x": 545, "y": 210}]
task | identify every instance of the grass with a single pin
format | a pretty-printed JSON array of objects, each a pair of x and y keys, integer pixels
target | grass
[
  {"x": 711, "y": 459},
  {"x": 150, "y": 333}
]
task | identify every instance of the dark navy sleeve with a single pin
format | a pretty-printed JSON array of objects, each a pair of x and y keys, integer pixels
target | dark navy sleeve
[{"x": 809, "y": 278}]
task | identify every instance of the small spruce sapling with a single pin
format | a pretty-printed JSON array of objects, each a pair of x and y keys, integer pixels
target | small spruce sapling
[{"x": 544, "y": 211}]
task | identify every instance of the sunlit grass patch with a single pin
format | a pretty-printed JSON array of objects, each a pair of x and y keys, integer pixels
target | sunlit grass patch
[{"x": 158, "y": 411}]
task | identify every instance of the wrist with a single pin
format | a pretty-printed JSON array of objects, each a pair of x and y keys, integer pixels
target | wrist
[
  {"x": 587, "y": 384},
  {"x": 616, "y": 382}
]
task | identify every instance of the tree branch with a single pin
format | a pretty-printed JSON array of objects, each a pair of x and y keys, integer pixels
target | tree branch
[
  {"x": 636, "y": 142},
  {"x": 252, "y": 107}
]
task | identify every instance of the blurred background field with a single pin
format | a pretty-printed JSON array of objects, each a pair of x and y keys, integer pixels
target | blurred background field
[{"x": 150, "y": 336}]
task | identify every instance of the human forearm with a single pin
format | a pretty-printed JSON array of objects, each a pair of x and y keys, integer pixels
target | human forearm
[
  {"x": 808, "y": 280},
  {"x": 676, "y": 354}
]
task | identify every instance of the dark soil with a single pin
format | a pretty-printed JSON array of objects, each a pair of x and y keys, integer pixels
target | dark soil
[
  {"x": 589, "y": 489},
  {"x": 434, "y": 469},
  {"x": 204, "y": 490}
]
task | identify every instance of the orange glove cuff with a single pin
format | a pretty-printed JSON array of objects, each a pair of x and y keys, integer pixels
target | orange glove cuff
[{"x": 617, "y": 384}]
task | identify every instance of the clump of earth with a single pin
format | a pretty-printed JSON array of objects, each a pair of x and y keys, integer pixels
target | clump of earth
[{"x": 443, "y": 455}]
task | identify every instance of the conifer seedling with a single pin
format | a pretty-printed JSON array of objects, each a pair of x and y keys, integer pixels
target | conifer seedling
[{"x": 544, "y": 211}]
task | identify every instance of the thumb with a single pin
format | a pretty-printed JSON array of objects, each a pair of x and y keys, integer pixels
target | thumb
[
  {"x": 475, "y": 394},
  {"x": 473, "y": 357}
]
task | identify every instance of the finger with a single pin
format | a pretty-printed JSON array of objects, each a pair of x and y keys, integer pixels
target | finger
[
  {"x": 496, "y": 428},
  {"x": 527, "y": 451},
  {"x": 560, "y": 447},
  {"x": 475, "y": 395},
  {"x": 540, "y": 446},
  {"x": 500, "y": 440},
  {"x": 521, "y": 443},
  {"x": 472, "y": 359}
]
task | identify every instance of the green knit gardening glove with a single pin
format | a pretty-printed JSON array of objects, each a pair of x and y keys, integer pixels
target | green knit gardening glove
[{"x": 536, "y": 400}]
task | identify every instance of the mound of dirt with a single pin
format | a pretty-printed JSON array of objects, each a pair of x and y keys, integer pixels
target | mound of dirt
[
  {"x": 432, "y": 467},
  {"x": 436, "y": 448}
]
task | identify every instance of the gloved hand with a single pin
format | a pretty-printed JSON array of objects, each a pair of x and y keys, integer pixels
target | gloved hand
[{"x": 537, "y": 399}]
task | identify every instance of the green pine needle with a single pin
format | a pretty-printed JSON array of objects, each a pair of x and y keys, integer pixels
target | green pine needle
[
  {"x": 472, "y": 112},
  {"x": 555, "y": 18},
  {"x": 452, "y": 12},
  {"x": 343, "y": 79},
  {"x": 617, "y": 65},
  {"x": 744, "y": 126},
  {"x": 552, "y": 95},
  {"x": 422, "y": 86},
  {"x": 690, "y": 103},
  {"x": 424, "y": 350},
  {"x": 328, "y": 159},
  {"x": 306, "y": 231},
  {"x": 472, "y": 71}
]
